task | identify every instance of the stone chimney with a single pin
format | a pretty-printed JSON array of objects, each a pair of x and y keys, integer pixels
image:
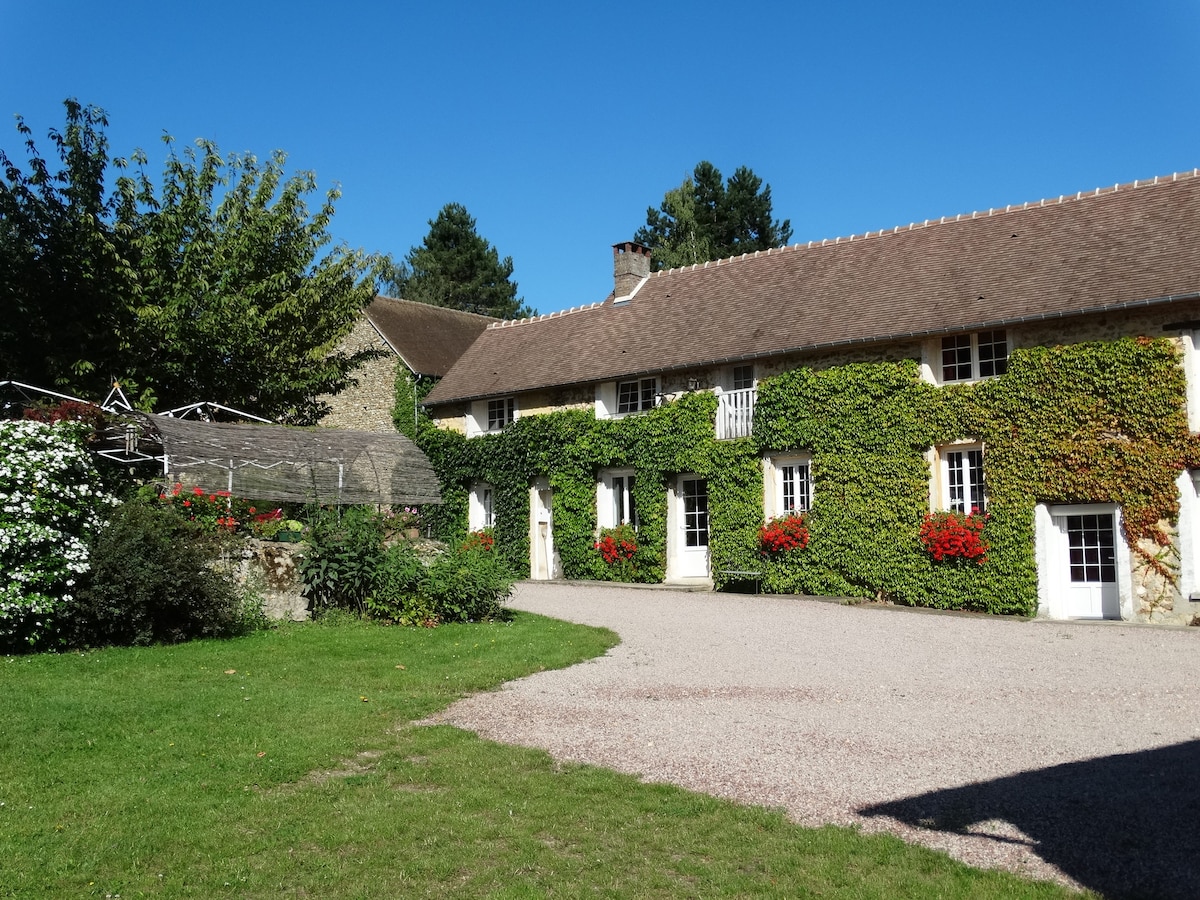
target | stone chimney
[{"x": 631, "y": 264}]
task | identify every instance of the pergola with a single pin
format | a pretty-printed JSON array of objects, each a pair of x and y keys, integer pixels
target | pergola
[
  {"x": 261, "y": 461},
  {"x": 308, "y": 465}
]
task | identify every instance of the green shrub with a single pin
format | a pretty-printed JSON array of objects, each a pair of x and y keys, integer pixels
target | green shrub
[
  {"x": 396, "y": 595},
  {"x": 344, "y": 558},
  {"x": 153, "y": 580},
  {"x": 467, "y": 585},
  {"x": 349, "y": 567}
]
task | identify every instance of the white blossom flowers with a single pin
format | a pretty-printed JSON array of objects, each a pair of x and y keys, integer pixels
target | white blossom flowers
[{"x": 50, "y": 507}]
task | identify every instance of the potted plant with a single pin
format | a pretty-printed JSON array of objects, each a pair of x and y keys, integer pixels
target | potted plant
[
  {"x": 783, "y": 533},
  {"x": 955, "y": 535},
  {"x": 290, "y": 531}
]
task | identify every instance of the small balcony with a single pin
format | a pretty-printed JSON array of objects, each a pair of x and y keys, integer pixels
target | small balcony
[{"x": 735, "y": 413}]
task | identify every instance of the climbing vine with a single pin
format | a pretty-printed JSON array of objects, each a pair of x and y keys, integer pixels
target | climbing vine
[
  {"x": 1091, "y": 422},
  {"x": 407, "y": 414}
]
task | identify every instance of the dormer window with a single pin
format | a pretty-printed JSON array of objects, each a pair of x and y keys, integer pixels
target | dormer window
[
  {"x": 636, "y": 396},
  {"x": 969, "y": 357}
]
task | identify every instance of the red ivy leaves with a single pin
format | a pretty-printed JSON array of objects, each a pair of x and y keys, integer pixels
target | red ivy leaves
[
  {"x": 955, "y": 535},
  {"x": 783, "y": 533}
]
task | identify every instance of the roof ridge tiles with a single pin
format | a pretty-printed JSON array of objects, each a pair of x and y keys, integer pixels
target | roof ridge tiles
[
  {"x": 1136, "y": 184},
  {"x": 1139, "y": 183},
  {"x": 529, "y": 320}
]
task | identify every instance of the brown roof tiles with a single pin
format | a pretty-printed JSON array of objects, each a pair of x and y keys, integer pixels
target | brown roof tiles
[
  {"x": 1103, "y": 250},
  {"x": 429, "y": 339}
]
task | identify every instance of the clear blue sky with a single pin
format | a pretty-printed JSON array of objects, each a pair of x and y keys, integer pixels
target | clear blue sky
[{"x": 557, "y": 124}]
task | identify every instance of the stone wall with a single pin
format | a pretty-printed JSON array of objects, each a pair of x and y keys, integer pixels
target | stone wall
[
  {"x": 271, "y": 569},
  {"x": 366, "y": 406}
]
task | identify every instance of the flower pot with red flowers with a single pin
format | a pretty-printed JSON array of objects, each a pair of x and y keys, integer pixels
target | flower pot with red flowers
[
  {"x": 955, "y": 536},
  {"x": 783, "y": 533},
  {"x": 618, "y": 549}
]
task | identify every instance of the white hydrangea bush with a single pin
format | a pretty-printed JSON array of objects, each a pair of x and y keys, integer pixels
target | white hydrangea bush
[{"x": 51, "y": 505}]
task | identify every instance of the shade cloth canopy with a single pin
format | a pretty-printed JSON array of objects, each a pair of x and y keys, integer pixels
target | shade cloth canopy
[{"x": 309, "y": 465}]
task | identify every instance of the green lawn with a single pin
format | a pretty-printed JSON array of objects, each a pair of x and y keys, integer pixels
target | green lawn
[{"x": 283, "y": 764}]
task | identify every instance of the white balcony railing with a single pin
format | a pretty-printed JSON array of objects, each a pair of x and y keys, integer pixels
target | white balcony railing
[{"x": 735, "y": 413}]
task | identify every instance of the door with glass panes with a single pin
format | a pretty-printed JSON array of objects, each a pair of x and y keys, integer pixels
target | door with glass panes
[
  {"x": 1086, "y": 560},
  {"x": 689, "y": 556}
]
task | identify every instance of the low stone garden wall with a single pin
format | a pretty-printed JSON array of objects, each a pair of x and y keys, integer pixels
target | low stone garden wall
[{"x": 271, "y": 569}]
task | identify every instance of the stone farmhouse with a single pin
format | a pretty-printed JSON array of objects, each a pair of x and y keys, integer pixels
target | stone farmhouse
[
  {"x": 414, "y": 339},
  {"x": 1032, "y": 366}
]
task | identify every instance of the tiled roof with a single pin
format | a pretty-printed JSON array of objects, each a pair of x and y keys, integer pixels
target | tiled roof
[
  {"x": 1130, "y": 244},
  {"x": 429, "y": 339}
]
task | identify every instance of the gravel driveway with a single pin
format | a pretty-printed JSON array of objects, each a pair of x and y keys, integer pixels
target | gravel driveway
[{"x": 1059, "y": 750}]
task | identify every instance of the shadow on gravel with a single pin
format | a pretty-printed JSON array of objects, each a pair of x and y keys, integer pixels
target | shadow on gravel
[{"x": 1125, "y": 826}]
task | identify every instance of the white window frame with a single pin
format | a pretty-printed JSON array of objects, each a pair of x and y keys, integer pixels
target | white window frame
[
  {"x": 937, "y": 347},
  {"x": 501, "y": 412},
  {"x": 479, "y": 418},
  {"x": 955, "y": 474},
  {"x": 481, "y": 506},
  {"x": 645, "y": 392},
  {"x": 787, "y": 485},
  {"x": 1191, "y": 370},
  {"x": 614, "y": 498}
]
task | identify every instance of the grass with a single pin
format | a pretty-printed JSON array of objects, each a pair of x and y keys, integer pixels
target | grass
[{"x": 284, "y": 764}]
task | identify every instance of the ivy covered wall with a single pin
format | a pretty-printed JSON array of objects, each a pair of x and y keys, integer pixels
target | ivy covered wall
[{"x": 1092, "y": 422}]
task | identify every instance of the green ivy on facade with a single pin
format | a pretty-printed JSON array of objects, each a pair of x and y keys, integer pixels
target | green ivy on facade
[{"x": 1101, "y": 422}]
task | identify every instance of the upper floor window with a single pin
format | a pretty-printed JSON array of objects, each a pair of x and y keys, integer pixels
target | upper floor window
[
  {"x": 960, "y": 484},
  {"x": 501, "y": 413},
  {"x": 788, "y": 487},
  {"x": 636, "y": 396},
  {"x": 741, "y": 378},
  {"x": 966, "y": 357},
  {"x": 614, "y": 500}
]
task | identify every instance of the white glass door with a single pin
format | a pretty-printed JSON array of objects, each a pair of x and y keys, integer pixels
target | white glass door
[{"x": 1087, "y": 563}]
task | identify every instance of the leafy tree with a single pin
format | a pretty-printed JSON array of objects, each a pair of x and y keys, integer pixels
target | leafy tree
[
  {"x": 236, "y": 303},
  {"x": 457, "y": 268},
  {"x": 707, "y": 218},
  {"x": 64, "y": 272},
  {"x": 210, "y": 287}
]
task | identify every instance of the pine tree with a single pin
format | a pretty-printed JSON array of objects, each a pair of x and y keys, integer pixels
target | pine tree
[
  {"x": 456, "y": 268},
  {"x": 707, "y": 218}
]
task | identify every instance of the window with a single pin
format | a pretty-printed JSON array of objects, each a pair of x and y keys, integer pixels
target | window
[
  {"x": 636, "y": 396},
  {"x": 614, "y": 500},
  {"x": 480, "y": 511},
  {"x": 966, "y": 357},
  {"x": 501, "y": 413},
  {"x": 1092, "y": 542},
  {"x": 694, "y": 493},
  {"x": 742, "y": 377},
  {"x": 788, "y": 487},
  {"x": 962, "y": 487}
]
